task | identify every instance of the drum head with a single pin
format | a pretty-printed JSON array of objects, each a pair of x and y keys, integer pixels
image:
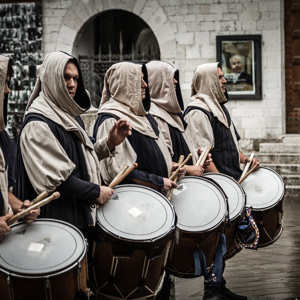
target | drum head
[
  {"x": 233, "y": 190},
  {"x": 199, "y": 203},
  {"x": 43, "y": 247},
  {"x": 264, "y": 188},
  {"x": 137, "y": 213}
]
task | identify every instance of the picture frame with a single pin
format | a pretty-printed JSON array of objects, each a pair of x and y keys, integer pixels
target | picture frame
[{"x": 240, "y": 59}]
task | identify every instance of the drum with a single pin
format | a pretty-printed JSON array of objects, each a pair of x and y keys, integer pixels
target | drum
[
  {"x": 265, "y": 191},
  {"x": 45, "y": 260},
  {"x": 201, "y": 208},
  {"x": 236, "y": 202},
  {"x": 132, "y": 241}
]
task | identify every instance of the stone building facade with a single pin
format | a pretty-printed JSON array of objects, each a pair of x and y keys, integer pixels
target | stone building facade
[{"x": 186, "y": 33}]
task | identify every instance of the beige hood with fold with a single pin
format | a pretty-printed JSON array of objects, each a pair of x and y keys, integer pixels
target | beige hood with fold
[{"x": 206, "y": 92}]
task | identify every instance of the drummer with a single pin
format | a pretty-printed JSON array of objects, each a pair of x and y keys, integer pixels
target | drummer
[
  {"x": 9, "y": 204},
  {"x": 55, "y": 152},
  {"x": 166, "y": 108},
  {"x": 125, "y": 95},
  {"x": 210, "y": 125}
]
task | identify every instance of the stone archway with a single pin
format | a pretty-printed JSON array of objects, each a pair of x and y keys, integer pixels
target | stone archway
[{"x": 80, "y": 12}]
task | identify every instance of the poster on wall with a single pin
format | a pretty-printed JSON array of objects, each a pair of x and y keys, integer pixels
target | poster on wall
[
  {"x": 240, "y": 58},
  {"x": 21, "y": 40}
]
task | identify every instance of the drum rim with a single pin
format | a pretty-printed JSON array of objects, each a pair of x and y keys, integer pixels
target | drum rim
[
  {"x": 281, "y": 196},
  {"x": 224, "y": 217},
  {"x": 58, "y": 271},
  {"x": 142, "y": 241},
  {"x": 238, "y": 185}
]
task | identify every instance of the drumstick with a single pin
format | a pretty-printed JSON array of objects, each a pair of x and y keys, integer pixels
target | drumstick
[
  {"x": 181, "y": 158},
  {"x": 115, "y": 182},
  {"x": 203, "y": 156},
  {"x": 180, "y": 166},
  {"x": 40, "y": 197},
  {"x": 256, "y": 166},
  {"x": 125, "y": 167},
  {"x": 248, "y": 164},
  {"x": 37, "y": 205}
]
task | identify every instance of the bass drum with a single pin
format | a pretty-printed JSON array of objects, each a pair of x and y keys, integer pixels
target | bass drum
[
  {"x": 43, "y": 260},
  {"x": 265, "y": 191},
  {"x": 201, "y": 208},
  {"x": 132, "y": 241},
  {"x": 236, "y": 202}
]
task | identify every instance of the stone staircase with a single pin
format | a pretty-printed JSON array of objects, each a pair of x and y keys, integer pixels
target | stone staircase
[{"x": 284, "y": 158}]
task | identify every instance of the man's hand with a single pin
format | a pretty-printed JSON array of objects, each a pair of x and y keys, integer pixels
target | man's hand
[
  {"x": 33, "y": 214},
  {"x": 181, "y": 172},
  {"x": 118, "y": 133},
  {"x": 194, "y": 170},
  {"x": 168, "y": 184},
  {"x": 105, "y": 194},
  {"x": 4, "y": 228},
  {"x": 255, "y": 161}
]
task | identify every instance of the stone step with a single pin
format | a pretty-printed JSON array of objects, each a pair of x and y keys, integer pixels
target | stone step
[
  {"x": 291, "y": 139},
  {"x": 292, "y": 191},
  {"x": 287, "y": 169},
  {"x": 277, "y": 158},
  {"x": 279, "y": 148},
  {"x": 291, "y": 179}
]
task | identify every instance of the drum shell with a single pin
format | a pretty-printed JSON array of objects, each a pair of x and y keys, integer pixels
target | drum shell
[
  {"x": 267, "y": 186},
  {"x": 126, "y": 268},
  {"x": 237, "y": 203},
  {"x": 181, "y": 257},
  {"x": 61, "y": 285}
]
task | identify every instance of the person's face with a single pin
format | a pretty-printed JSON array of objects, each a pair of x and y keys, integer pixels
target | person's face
[
  {"x": 71, "y": 76},
  {"x": 175, "y": 82},
  {"x": 222, "y": 80},
  {"x": 6, "y": 89},
  {"x": 143, "y": 87},
  {"x": 236, "y": 65}
]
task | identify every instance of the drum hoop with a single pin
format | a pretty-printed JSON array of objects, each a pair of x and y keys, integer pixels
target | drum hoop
[
  {"x": 223, "y": 217},
  {"x": 59, "y": 271},
  {"x": 244, "y": 195},
  {"x": 281, "y": 196},
  {"x": 145, "y": 241}
]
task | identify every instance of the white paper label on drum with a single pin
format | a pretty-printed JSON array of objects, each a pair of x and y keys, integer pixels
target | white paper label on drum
[
  {"x": 135, "y": 212},
  {"x": 249, "y": 177},
  {"x": 36, "y": 247},
  {"x": 180, "y": 188}
]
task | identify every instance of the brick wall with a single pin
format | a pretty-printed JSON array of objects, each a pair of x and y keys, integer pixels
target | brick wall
[{"x": 186, "y": 31}]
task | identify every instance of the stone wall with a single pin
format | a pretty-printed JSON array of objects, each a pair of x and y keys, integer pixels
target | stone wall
[{"x": 186, "y": 31}]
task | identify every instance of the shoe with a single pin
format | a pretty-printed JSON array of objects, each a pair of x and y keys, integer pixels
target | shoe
[
  {"x": 213, "y": 293},
  {"x": 231, "y": 295}
]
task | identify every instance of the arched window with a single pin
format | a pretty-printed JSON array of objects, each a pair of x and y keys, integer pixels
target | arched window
[{"x": 111, "y": 37}]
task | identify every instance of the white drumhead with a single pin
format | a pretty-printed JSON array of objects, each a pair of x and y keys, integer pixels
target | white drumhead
[
  {"x": 137, "y": 213},
  {"x": 264, "y": 188},
  {"x": 41, "y": 248},
  {"x": 200, "y": 204},
  {"x": 233, "y": 190}
]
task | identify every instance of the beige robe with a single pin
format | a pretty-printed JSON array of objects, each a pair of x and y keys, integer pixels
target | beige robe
[
  {"x": 206, "y": 94},
  {"x": 165, "y": 103},
  {"x": 122, "y": 98}
]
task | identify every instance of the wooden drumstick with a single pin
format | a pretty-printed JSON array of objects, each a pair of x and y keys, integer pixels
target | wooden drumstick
[
  {"x": 125, "y": 167},
  {"x": 116, "y": 182},
  {"x": 256, "y": 166},
  {"x": 203, "y": 156},
  {"x": 40, "y": 197},
  {"x": 37, "y": 205},
  {"x": 180, "y": 166},
  {"x": 181, "y": 158},
  {"x": 247, "y": 166}
]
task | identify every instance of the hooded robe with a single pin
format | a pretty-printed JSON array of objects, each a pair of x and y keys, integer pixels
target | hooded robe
[
  {"x": 54, "y": 151},
  {"x": 167, "y": 107},
  {"x": 6, "y": 150},
  {"x": 121, "y": 98},
  {"x": 209, "y": 121}
]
